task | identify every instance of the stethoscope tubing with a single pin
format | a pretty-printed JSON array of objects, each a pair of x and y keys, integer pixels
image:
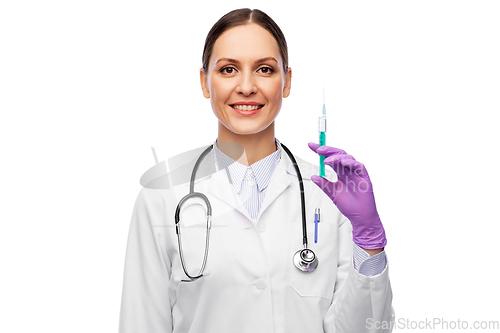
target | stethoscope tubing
[
  {"x": 305, "y": 259},
  {"x": 302, "y": 196},
  {"x": 193, "y": 194}
]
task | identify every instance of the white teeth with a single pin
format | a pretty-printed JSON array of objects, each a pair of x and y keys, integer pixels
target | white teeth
[{"x": 246, "y": 107}]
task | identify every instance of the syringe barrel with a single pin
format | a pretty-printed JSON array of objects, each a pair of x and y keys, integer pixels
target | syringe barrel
[{"x": 322, "y": 124}]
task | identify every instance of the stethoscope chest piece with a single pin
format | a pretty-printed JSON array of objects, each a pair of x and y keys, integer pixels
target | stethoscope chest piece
[{"x": 305, "y": 260}]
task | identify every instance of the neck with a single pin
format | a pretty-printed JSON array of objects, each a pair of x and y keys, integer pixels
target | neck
[{"x": 248, "y": 148}]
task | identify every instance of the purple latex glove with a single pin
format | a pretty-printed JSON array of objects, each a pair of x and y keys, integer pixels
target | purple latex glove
[{"x": 353, "y": 196}]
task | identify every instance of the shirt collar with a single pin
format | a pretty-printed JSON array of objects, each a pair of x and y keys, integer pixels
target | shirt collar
[{"x": 262, "y": 170}]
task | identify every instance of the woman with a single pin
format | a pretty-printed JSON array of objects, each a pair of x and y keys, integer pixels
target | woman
[{"x": 250, "y": 283}]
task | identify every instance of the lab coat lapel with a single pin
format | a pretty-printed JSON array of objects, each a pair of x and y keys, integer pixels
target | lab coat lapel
[
  {"x": 280, "y": 180},
  {"x": 222, "y": 189}
]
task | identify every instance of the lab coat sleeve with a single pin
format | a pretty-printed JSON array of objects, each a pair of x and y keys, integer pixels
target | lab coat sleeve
[
  {"x": 145, "y": 304},
  {"x": 368, "y": 265},
  {"x": 360, "y": 304}
]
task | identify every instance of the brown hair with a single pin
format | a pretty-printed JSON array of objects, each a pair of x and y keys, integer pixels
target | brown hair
[{"x": 240, "y": 17}]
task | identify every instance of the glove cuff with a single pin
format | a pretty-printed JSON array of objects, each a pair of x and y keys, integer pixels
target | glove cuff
[{"x": 370, "y": 238}]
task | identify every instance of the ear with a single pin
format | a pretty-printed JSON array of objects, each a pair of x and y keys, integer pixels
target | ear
[
  {"x": 204, "y": 85},
  {"x": 288, "y": 83}
]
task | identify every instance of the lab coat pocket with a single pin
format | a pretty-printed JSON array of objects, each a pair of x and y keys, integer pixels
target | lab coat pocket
[
  {"x": 216, "y": 284},
  {"x": 321, "y": 281}
]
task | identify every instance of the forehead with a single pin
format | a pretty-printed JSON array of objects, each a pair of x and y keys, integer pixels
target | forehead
[{"x": 245, "y": 43}]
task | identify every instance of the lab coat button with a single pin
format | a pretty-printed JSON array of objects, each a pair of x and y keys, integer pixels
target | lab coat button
[
  {"x": 261, "y": 285},
  {"x": 261, "y": 227}
]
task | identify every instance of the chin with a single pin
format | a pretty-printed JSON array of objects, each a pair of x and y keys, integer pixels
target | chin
[{"x": 246, "y": 130}]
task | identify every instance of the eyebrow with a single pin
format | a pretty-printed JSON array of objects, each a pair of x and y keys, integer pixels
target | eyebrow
[{"x": 234, "y": 61}]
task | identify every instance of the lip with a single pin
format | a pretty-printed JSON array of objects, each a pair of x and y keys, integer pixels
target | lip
[
  {"x": 249, "y": 112},
  {"x": 246, "y": 103}
]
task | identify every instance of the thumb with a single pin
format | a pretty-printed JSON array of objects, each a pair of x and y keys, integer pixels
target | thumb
[
  {"x": 313, "y": 146},
  {"x": 325, "y": 185}
]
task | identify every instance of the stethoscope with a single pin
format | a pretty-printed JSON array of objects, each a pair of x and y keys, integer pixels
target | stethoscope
[{"x": 305, "y": 259}]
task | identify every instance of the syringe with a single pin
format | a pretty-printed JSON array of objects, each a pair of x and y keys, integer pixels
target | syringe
[{"x": 322, "y": 137}]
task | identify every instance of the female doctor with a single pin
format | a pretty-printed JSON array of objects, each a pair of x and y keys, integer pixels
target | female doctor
[{"x": 246, "y": 276}]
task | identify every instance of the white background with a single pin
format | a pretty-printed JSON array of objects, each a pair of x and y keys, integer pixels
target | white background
[{"x": 88, "y": 87}]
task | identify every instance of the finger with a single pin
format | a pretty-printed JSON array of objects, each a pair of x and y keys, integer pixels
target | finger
[
  {"x": 339, "y": 160},
  {"x": 346, "y": 165},
  {"x": 325, "y": 185},
  {"x": 313, "y": 146},
  {"x": 329, "y": 151},
  {"x": 347, "y": 160},
  {"x": 350, "y": 171},
  {"x": 356, "y": 168},
  {"x": 325, "y": 150}
]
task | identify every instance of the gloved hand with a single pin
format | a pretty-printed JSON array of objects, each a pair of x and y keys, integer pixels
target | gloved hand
[{"x": 353, "y": 195}]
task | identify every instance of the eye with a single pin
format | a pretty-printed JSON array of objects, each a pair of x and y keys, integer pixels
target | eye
[
  {"x": 228, "y": 70},
  {"x": 266, "y": 70}
]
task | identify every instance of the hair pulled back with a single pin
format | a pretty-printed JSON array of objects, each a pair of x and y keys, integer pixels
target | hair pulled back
[{"x": 241, "y": 17}]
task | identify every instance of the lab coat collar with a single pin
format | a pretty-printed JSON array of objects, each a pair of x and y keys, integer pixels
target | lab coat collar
[
  {"x": 283, "y": 175},
  {"x": 262, "y": 169}
]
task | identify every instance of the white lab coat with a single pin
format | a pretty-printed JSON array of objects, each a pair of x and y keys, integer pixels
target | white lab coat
[{"x": 253, "y": 285}]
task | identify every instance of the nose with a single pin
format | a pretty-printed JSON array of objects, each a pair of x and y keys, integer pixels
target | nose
[{"x": 246, "y": 85}]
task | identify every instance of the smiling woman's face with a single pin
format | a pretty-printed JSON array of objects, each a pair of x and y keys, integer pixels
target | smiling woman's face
[{"x": 245, "y": 80}]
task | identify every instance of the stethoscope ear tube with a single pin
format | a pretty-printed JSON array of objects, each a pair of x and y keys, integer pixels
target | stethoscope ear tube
[
  {"x": 205, "y": 256},
  {"x": 193, "y": 194},
  {"x": 187, "y": 197},
  {"x": 207, "y": 237}
]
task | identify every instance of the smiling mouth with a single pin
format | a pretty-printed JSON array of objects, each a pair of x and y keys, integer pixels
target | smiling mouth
[{"x": 246, "y": 107}]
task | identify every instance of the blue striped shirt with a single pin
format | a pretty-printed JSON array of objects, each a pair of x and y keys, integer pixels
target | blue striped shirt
[{"x": 251, "y": 182}]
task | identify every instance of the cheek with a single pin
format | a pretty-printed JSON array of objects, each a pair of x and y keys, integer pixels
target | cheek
[
  {"x": 273, "y": 90},
  {"x": 219, "y": 89}
]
